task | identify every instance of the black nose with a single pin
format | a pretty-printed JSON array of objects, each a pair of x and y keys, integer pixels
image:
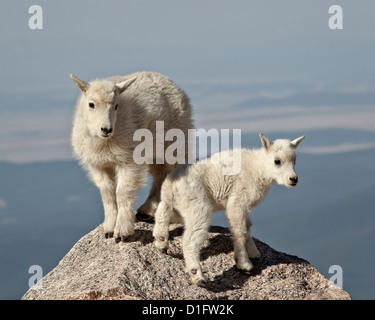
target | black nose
[
  {"x": 106, "y": 130},
  {"x": 294, "y": 179}
]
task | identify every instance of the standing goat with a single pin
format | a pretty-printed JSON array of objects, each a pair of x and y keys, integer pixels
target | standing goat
[
  {"x": 108, "y": 112},
  {"x": 191, "y": 193}
]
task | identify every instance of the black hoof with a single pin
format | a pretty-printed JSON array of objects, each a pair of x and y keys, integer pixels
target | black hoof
[
  {"x": 201, "y": 283},
  {"x": 125, "y": 238},
  {"x": 255, "y": 260},
  {"x": 144, "y": 217},
  {"x": 163, "y": 250},
  {"x": 117, "y": 240},
  {"x": 244, "y": 271},
  {"x": 108, "y": 235}
]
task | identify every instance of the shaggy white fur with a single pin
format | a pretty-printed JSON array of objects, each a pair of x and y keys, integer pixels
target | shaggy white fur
[
  {"x": 108, "y": 112},
  {"x": 191, "y": 193}
]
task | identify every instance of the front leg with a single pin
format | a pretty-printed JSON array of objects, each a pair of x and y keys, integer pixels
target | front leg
[
  {"x": 197, "y": 222},
  {"x": 129, "y": 181},
  {"x": 161, "y": 229},
  {"x": 105, "y": 180},
  {"x": 239, "y": 227}
]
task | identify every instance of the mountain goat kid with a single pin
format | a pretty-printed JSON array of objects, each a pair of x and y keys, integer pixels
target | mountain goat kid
[
  {"x": 108, "y": 112},
  {"x": 194, "y": 192}
]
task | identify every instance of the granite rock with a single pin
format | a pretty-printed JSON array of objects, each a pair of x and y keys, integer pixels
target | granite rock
[{"x": 97, "y": 268}]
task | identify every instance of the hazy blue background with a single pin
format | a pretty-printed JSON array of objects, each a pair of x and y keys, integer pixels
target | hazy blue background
[{"x": 270, "y": 66}]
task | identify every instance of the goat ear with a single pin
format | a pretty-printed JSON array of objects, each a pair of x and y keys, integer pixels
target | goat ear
[
  {"x": 122, "y": 86},
  {"x": 265, "y": 142},
  {"x": 297, "y": 141},
  {"x": 82, "y": 85}
]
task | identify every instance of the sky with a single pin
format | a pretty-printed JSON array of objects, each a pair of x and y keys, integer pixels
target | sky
[{"x": 276, "y": 65}]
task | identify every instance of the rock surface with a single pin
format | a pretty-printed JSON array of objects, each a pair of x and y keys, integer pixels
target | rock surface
[{"x": 97, "y": 268}]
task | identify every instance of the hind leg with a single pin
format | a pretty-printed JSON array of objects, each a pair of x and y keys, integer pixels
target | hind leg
[
  {"x": 252, "y": 250},
  {"x": 146, "y": 211}
]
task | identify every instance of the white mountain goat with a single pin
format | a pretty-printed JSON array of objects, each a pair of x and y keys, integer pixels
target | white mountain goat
[
  {"x": 107, "y": 114},
  {"x": 194, "y": 192}
]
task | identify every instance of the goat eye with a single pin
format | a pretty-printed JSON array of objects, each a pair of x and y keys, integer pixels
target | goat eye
[
  {"x": 91, "y": 105},
  {"x": 116, "y": 106},
  {"x": 277, "y": 162}
]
